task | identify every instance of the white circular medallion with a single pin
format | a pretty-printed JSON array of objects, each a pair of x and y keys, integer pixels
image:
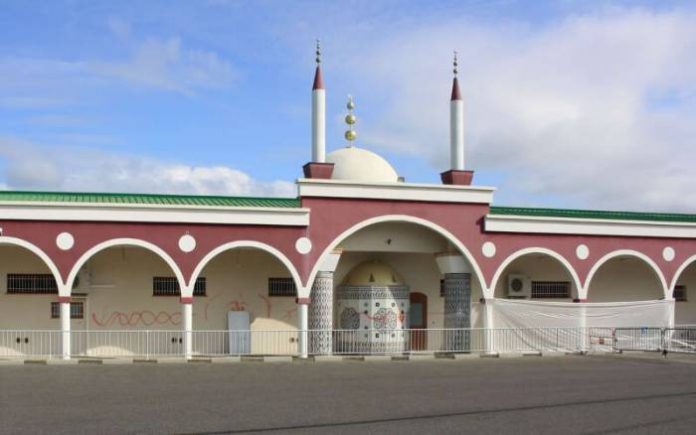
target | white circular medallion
[
  {"x": 488, "y": 249},
  {"x": 582, "y": 251},
  {"x": 187, "y": 243},
  {"x": 65, "y": 241},
  {"x": 668, "y": 253},
  {"x": 303, "y": 245}
]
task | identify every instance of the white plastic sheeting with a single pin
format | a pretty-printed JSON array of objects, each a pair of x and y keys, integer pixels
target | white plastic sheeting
[{"x": 573, "y": 327}]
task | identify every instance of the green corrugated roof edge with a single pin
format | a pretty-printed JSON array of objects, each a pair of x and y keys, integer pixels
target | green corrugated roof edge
[
  {"x": 593, "y": 214},
  {"x": 145, "y": 198}
]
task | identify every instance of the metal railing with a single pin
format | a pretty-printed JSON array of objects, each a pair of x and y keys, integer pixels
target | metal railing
[{"x": 173, "y": 343}]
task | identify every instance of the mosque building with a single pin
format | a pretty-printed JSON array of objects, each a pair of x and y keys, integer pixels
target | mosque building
[{"x": 359, "y": 262}]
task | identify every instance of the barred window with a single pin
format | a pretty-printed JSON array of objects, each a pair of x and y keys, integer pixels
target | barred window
[
  {"x": 550, "y": 289},
  {"x": 169, "y": 286},
  {"x": 31, "y": 283},
  {"x": 281, "y": 287},
  {"x": 77, "y": 310},
  {"x": 680, "y": 293}
]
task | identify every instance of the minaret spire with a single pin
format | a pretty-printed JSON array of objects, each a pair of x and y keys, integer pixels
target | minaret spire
[
  {"x": 456, "y": 95},
  {"x": 318, "y": 80},
  {"x": 318, "y": 113}
]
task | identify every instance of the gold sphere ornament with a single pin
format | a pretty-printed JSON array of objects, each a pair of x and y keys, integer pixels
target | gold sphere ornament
[
  {"x": 351, "y": 119},
  {"x": 351, "y": 135}
]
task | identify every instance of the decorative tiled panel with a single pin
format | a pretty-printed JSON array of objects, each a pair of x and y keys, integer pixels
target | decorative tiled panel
[
  {"x": 374, "y": 319},
  {"x": 321, "y": 314},
  {"x": 457, "y": 288}
]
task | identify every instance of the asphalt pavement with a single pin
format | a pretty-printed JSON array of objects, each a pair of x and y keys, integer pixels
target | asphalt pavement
[{"x": 526, "y": 395}]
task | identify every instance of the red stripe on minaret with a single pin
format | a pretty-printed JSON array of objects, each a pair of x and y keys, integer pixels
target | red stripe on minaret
[
  {"x": 318, "y": 80},
  {"x": 456, "y": 95}
]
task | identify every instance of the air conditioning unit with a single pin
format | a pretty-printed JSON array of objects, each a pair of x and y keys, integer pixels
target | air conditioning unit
[{"x": 519, "y": 286}]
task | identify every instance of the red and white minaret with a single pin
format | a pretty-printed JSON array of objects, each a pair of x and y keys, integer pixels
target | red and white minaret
[
  {"x": 457, "y": 174},
  {"x": 317, "y": 167}
]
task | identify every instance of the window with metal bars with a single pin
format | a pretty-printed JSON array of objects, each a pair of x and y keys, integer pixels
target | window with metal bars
[
  {"x": 281, "y": 287},
  {"x": 77, "y": 310},
  {"x": 680, "y": 293},
  {"x": 31, "y": 283},
  {"x": 550, "y": 290},
  {"x": 169, "y": 286}
]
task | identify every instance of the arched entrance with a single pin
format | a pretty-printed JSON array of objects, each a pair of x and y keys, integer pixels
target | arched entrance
[
  {"x": 410, "y": 247},
  {"x": 536, "y": 274},
  {"x": 130, "y": 290},
  {"x": 684, "y": 293},
  {"x": 29, "y": 309},
  {"x": 249, "y": 307},
  {"x": 625, "y": 276}
]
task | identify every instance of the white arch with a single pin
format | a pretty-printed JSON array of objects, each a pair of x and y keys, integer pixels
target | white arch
[
  {"x": 678, "y": 274},
  {"x": 629, "y": 253},
  {"x": 124, "y": 242},
  {"x": 397, "y": 218},
  {"x": 245, "y": 244},
  {"x": 5, "y": 240},
  {"x": 537, "y": 250}
]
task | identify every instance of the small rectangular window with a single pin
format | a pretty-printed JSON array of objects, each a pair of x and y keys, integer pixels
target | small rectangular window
[
  {"x": 77, "y": 310},
  {"x": 442, "y": 288},
  {"x": 550, "y": 290},
  {"x": 281, "y": 287},
  {"x": 31, "y": 283},
  {"x": 680, "y": 293},
  {"x": 169, "y": 286}
]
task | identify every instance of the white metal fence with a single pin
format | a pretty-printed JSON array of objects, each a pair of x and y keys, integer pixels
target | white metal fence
[{"x": 162, "y": 343}]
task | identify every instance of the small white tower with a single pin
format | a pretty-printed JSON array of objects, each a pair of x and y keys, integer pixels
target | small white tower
[
  {"x": 457, "y": 174},
  {"x": 456, "y": 123},
  {"x": 318, "y": 113}
]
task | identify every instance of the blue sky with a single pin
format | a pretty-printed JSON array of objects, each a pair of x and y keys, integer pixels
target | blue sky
[{"x": 569, "y": 103}]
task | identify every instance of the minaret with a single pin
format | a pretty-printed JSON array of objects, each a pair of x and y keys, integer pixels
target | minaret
[
  {"x": 457, "y": 174},
  {"x": 318, "y": 113},
  {"x": 317, "y": 167},
  {"x": 456, "y": 123}
]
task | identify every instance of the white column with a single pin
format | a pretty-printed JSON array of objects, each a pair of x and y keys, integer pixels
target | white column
[
  {"x": 457, "y": 286},
  {"x": 187, "y": 325},
  {"x": 457, "y": 134},
  {"x": 318, "y": 125},
  {"x": 322, "y": 305},
  {"x": 302, "y": 326},
  {"x": 64, "y": 302},
  {"x": 584, "y": 332},
  {"x": 489, "y": 325}
]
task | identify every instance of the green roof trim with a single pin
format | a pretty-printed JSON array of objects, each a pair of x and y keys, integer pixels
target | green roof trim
[
  {"x": 593, "y": 214},
  {"x": 147, "y": 199}
]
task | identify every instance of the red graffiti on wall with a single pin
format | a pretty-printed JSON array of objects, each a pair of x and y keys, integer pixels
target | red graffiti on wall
[{"x": 133, "y": 318}]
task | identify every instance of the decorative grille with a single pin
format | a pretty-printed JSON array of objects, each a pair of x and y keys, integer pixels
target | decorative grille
[
  {"x": 77, "y": 310},
  {"x": 169, "y": 286},
  {"x": 31, "y": 283},
  {"x": 550, "y": 289},
  {"x": 281, "y": 287}
]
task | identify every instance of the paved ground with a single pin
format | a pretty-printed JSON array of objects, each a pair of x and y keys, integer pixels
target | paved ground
[{"x": 566, "y": 395}]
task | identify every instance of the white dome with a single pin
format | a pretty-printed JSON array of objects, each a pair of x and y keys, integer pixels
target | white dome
[{"x": 357, "y": 164}]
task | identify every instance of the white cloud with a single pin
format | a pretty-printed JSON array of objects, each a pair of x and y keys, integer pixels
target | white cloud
[
  {"x": 595, "y": 109},
  {"x": 30, "y": 166},
  {"x": 166, "y": 65}
]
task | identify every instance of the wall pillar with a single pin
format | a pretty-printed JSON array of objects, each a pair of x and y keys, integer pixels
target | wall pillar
[
  {"x": 187, "y": 325},
  {"x": 457, "y": 289},
  {"x": 302, "y": 327},
  {"x": 321, "y": 307},
  {"x": 65, "y": 346}
]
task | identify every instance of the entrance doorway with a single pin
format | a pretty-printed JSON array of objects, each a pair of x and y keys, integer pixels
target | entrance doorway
[{"x": 418, "y": 321}]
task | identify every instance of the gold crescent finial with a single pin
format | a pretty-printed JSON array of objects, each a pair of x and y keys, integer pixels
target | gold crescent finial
[
  {"x": 350, "y": 119},
  {"x": 318, "y": 52},
  {"x": 456, "y": 64}
]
